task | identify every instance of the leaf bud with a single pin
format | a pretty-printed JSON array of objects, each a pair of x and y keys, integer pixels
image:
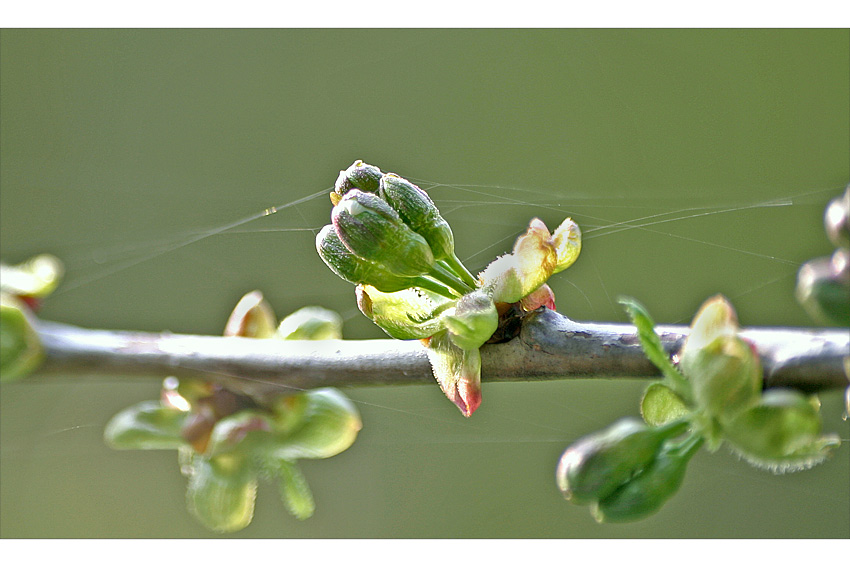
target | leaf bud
[
  {"x": 567, "y": 242},
  {"x": 252, "y": 317},
  {"x": 472, "y": 321},
  {"x": 594, "y": 467},
  {"x": 715, "y": 318},
  {"x": 418, "y": 211},
  {"x": 724, "y": 371},
  {"x": 34, "y": 278},
  {"x": 372, "y": 230},
  {"x": 726, "y": 376},
  {"x": 537, "y": 255},
  {"x": 354, "y": 269},
  {"x": 311, "y": 324},
  {"x": 21, "y": 351}
]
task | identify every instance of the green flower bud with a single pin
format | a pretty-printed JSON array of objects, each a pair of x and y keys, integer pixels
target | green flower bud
[
  {"x": 364, "y": 176},
  {"x": 311, "y": 324},
  {"x": 20, "y": 348},
  {"x": 458, "y": 372},
  {"x": 316, "y": 424},
  {"x": 723, "y": 370},
  {"x": 252, "y": 317},
  {"x": 726, "y": 376},
  {"x": 405, "y": 314},
  {"x": 823, "y": 288},
  {"x": 37, "y": 277},
  {"x": 472, "y": 321},
  {"x": 359, "y": 175},
  {"x": 222, "y": 491},
  {"x": 354, "y": 269},
  {"x": 782, "y": 432},
  {"x": 715, "y": 318},
  {"x": 837, "y": 220},
  {"x": 594, "y": 467},
  {"x": 146, "y": 425},
  {"x": 645, "y": 493},
  {"x": 372, "y": 230},
  {"x": 418, "y": 211}
]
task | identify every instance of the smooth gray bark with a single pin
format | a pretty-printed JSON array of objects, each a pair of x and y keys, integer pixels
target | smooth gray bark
[{"x": 549, "y": 347}]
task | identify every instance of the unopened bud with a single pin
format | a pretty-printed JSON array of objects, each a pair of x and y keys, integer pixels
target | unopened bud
[
  {"x": 645, "y": 493},
  {"x": 716, "y": 317},
  {"x": 418, "y": 211},
  {"x": 595, "y": 466},
  {"x": 21, "y": 351},
  {"x": 359, "y": 175},
  {"x": 726, "y": 376},
  {"x": 252, "y": 317},
  {"x": 34, "y": 278},
  {"x": 372, "y": 230},
  {"x": 837, "y": 220},
  {"x": 354, "y": 269},
  {"x": 311, "y": 324},
  {"x": 823, "y": 288},
  {"x": 472, "y": 321},
  {"x": 537, "y": 255},
  {"x": 567, "y": 242}
]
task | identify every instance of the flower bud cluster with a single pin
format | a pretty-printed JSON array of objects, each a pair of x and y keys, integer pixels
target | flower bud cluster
[
  {"x": 778, "y": 429},
  {"x": 630, "y": 469},
  {"x": 389, "y": 239},
  {"x": 227, "y": 440}
]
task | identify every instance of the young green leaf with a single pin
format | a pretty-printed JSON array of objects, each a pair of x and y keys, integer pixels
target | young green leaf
[
  {"x": 294, "y": 490},
  {"x": 222, "y": 491},
  {"x": 327, "y": 424},
  {"x": 782, "y": 432},
  {"x": 652, "y": 347},
  {"x": 146, "y": 425},
  {"x": 661, "y": 405}
]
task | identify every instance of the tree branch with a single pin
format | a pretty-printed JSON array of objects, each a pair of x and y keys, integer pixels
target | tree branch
[{"x": 548, "y": 347}]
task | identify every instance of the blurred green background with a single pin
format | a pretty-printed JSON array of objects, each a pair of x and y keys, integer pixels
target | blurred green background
[{"x": 123, "y": 151}]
